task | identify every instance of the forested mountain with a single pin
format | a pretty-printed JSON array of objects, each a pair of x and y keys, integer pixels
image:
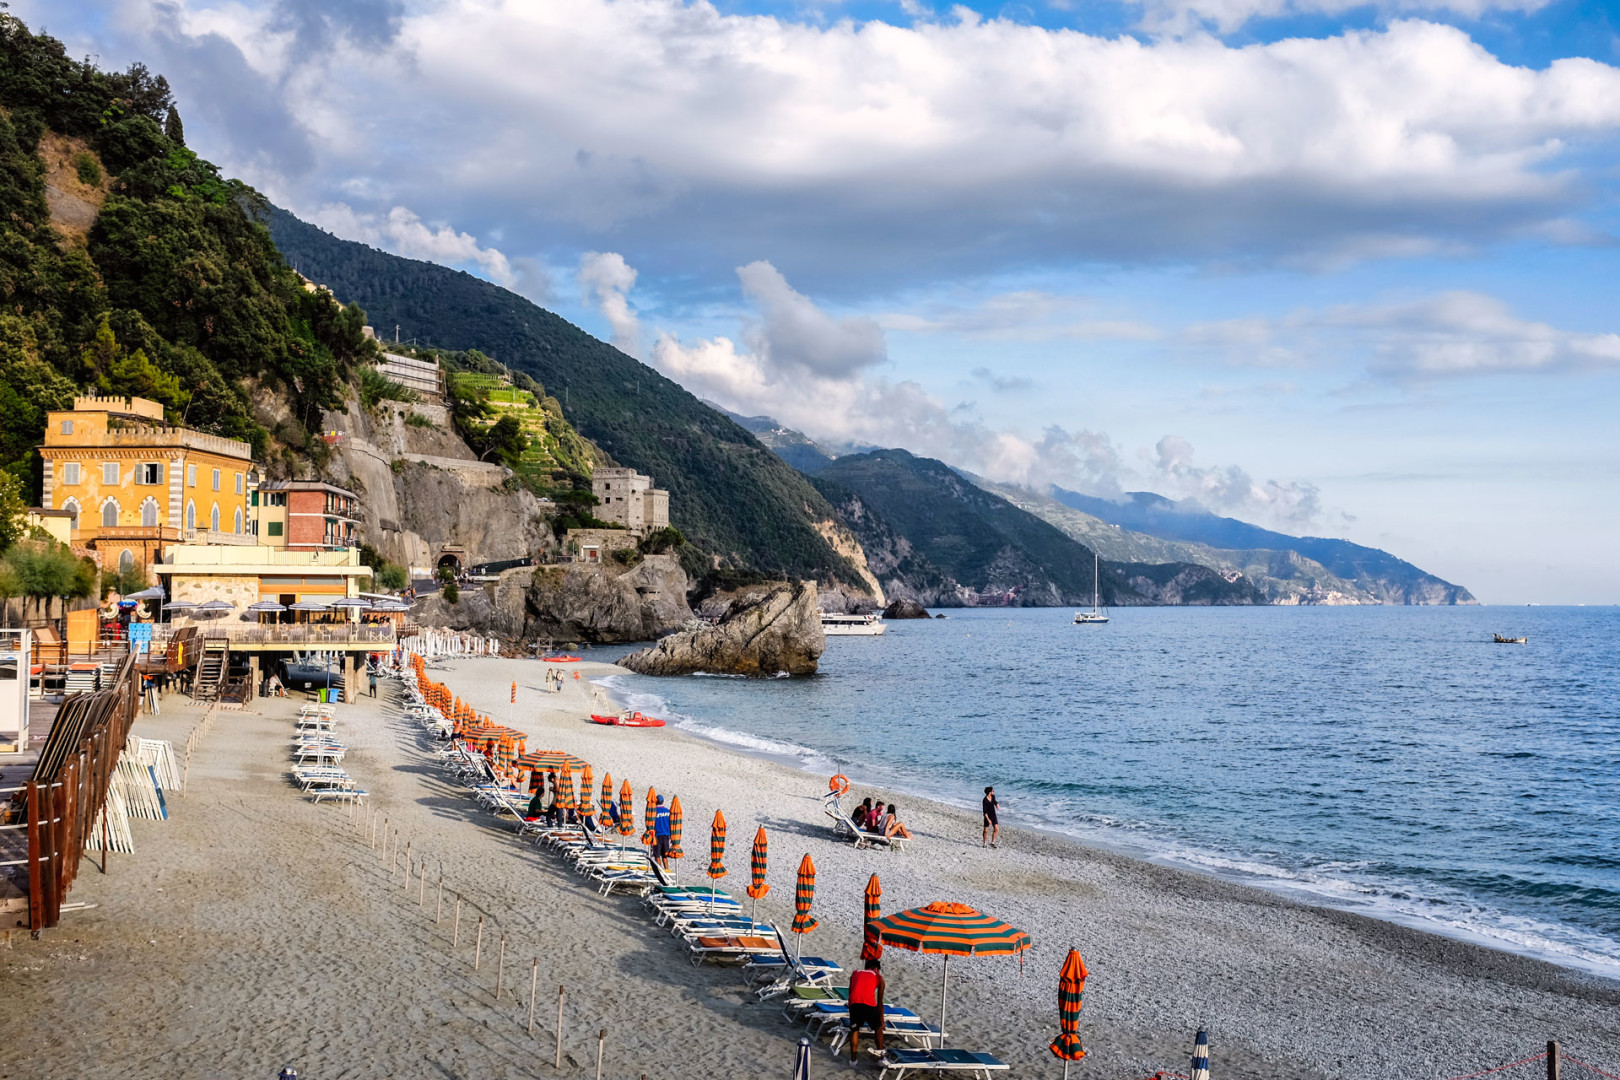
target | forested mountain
[
  {"x": 730, "y": 495},
  {"x": 128, "y": 265},
  {"x": 1375, "y": 574}
]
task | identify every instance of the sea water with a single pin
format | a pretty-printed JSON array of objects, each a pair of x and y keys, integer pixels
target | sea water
[{"x": 1391, "y": 761}]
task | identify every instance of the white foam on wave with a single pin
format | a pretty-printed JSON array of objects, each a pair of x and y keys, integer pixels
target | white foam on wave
[{"x": 645, "y": 701}]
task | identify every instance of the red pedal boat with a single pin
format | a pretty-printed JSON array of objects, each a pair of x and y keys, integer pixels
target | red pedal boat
[
  {"x": 560, "y": 659},
  {"x": 634, "y": 719}
]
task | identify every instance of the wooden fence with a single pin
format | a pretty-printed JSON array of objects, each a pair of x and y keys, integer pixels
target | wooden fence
[{"x": 63, "y": 801}]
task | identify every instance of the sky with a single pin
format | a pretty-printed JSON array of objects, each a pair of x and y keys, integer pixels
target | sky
[{"x": 1343, "y": 269}]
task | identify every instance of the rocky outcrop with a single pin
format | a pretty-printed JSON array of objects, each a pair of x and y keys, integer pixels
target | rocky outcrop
[
  {"x": 905, "y": 609},
  {"x": 1189, "y": 584},
  {"x": 604, "y": 603},
  {"x": 768, "y": 630}
]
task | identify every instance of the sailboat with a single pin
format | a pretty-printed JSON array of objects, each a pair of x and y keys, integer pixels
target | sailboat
[{"x": 1095, "y": 615}]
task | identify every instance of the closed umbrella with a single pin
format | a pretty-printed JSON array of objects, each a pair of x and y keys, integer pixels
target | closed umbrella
[
  {"x": 804, "y": 893},
  {"x": 756, "y": 865},
  {"x": 1200, "y": 1060},
  {"x": 607, "y": 796},
  {"x": 951, "y": 930},
  {"x": 675, "y": 851},
  {"x": 585, "y": 792},
  {"x": 1071, "y": 996},
  {"x": 801, "y": 1061},
  {"x": 717, "y": 853},
  {"x": 627, "y": 809},
  {"x": 565, "y": 777},
  {"x": 647, "y": 835},
  {"x": 872, "y": 946}
]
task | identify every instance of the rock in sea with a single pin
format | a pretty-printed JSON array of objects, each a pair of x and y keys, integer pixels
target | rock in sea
[
  {"x": 905, "y": 609},
  {"x": 771, "y": 629}
]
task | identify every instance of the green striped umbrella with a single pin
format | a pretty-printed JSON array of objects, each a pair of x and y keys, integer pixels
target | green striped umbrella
[
  {"x": 717, "y": 853},
  {"x": 565, "y": 781},
  {"x": 627, "y": 809},
  {"x": 647, "y": 834},
  {"x": 872, "y": 947},
  {"x": 951, "y": 930},
  {"x": 804, "y": 893},
  {"x": 607, "y": 795},
  {"x": 585, "y": 793},
  {"x": 758, "y": 887},
  {"x": 675, "y": 851},
  {"x": 1071, "y": 996}
]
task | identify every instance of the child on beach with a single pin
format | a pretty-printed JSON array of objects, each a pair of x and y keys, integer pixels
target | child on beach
[{"x": 992, "y": 825}]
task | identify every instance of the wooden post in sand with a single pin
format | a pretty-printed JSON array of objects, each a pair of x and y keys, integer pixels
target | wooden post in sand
[
  {"x": 438, "y": 907},
  {"x": 407, "y": 864},
  {"x": 421, "y": 885},
  {"x": 601, "y": 1039},
  {"x": 559, "y": 1027},
  {"x": 1554, "y": 1068},
  {"x": 500, "y": 969},
  {"x": 478, "y": 949},
  {"x": 455, "y": 932},
  {"x": 534, "y": 990}
]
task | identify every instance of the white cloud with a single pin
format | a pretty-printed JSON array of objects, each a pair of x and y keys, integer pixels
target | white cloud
[
  {"x": 608, "y": 279},
  {"x": 863, "y": 154},
  {"x": 1444, "y": 335},
  {"x": 1229, "y": 489},
  {"x": 1182, "y": 16},
  {"x": 1023, "y": 315},
  {"x": 402, "y": 232}
]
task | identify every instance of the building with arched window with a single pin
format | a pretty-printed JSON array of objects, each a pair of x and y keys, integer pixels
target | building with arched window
[{"x": 130, "y": 480}]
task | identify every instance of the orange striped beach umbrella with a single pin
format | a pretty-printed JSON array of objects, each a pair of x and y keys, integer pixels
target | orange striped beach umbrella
[
  {"x": 1071, "y": 998},
  {"x": 951, "y": 930},
  {"x": 565, "y": 780},
  {"x": 627, "y": 809},
  {"x": 757, "y": 887},
  {"x": 717, "y": 846},
  {"x": 585, "y": 792},
  {"x": 675, "y": 851},
  {"x": 607, "y": 794},
  {"x": 804, "y": 894},
  {"x": 647, "y": 834},
  {"x": 872, "y": 946}
]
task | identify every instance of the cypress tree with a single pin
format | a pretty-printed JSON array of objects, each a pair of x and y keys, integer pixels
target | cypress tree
[{"x": 173, "y": 128}]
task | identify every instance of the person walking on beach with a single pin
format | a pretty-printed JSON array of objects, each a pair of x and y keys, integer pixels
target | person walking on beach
[
  {"x": 992, "y": 824},
  {"x": 661, "y": 833},
  {"x": 371, "y": 673},
  {"x": 866, "y": 1006}
]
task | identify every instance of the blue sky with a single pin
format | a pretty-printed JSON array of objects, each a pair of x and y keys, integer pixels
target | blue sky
[{"x": 1339, "y": 269}]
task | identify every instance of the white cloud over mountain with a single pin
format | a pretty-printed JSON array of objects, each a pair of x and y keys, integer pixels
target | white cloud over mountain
[{"x": 867, "y": 155}]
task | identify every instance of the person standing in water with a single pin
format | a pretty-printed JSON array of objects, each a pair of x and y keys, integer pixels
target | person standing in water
[{"x": 992, "y": 824}]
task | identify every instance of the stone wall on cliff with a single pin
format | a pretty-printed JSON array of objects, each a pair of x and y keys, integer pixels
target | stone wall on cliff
[{"x": 765, "y": 631}]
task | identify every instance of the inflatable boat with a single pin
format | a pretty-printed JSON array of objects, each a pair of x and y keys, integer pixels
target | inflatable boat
[{"x": 634, "y": 719}]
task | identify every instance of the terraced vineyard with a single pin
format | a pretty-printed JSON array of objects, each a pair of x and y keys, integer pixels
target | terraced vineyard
[{"x": 556, "y": 451}]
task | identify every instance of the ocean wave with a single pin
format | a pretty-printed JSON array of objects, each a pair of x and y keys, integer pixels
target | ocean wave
[{"x": 654, "y": 705}]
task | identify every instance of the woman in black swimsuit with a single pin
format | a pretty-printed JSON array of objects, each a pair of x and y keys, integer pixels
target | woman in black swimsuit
[{"x": 992, "y": 827}]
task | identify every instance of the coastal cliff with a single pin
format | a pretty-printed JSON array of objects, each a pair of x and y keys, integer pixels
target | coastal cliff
[{"x": 766, "y": 630}]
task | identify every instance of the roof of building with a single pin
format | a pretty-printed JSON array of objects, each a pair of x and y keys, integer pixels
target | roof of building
[{"x": 305, "y": 485}]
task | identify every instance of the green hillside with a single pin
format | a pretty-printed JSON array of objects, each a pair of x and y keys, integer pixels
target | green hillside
[
  {"x": 730, "y": 495},
  {"x": 141, "y": 269}
]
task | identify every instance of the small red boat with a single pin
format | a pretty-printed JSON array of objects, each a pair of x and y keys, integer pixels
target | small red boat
[
  {"x": 634, "y": 719},
  {"x": 560, "y": 659}
]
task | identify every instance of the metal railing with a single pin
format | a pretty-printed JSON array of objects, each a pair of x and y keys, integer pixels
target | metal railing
[{"x": 311, "y": 634}]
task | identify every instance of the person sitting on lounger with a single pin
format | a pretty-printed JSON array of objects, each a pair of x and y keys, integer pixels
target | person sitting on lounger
[
  {"x": 862, "y": 814},
  {"x": 536, "y": 809},
  {"x": 866, "y": 1006},
  {"x": 877, "y": 819},
  {"x": 893, "y": 827},
  {"x": 553, "y": 811}
]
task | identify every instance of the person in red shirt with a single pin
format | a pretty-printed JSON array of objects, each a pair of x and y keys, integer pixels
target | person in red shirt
[{"x": 866, "y": 1006}]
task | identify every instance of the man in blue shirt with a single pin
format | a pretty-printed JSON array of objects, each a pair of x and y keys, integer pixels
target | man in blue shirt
[{"x": 661, "y": 832}]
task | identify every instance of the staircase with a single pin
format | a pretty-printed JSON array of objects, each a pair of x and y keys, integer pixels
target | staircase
[{"x": 211, "y": 668}]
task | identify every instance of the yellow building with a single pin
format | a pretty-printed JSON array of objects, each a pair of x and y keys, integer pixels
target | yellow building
[
  {"x": 132, "y": 485},
  {"x": 241, "y": 576}
]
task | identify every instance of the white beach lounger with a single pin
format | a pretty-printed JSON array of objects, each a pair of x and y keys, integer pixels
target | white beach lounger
[{"x": 900, "y": 1062}]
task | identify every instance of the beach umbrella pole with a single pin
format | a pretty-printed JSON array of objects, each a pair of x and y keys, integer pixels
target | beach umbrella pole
[{"x": 944, "y": 985}]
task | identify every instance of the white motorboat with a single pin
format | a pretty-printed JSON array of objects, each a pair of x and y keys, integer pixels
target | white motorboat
[
  {"x": 1095, "y": 615},
  {"x": 851, "y": 625}
]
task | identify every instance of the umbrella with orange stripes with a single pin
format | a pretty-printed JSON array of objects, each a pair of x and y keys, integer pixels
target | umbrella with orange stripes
[
  {"x": 675, "y": 851},
  {"x": 717, "y": 853},
  {"x": 951, "y": 930},
  {"x": 804, "y": 894},
  {"x": 756, "y": 865},
  {"x": 872, "y": 947},
  {"x": 607, "y": 797},
  {"x": 627, "y": 809},
  {"x": 585, "y": 792},
  {"x": 1071, "y": 997},
  {"x": 565, "y": 780},
  {"x": 648, "y": 835}
]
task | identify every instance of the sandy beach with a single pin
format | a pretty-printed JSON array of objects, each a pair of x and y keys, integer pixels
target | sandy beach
[{"x": 255, "y": 929}]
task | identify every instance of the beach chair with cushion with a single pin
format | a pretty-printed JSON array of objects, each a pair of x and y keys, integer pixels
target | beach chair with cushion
[
  {"x": 732, "y": 948},
  {"x": 898, "y": 1024},
  {"x": 778, "y": 976},
  {"x": 828, "y": 1016},
  {"x": 844, "y": 825},
  {"x": 901, "y": 1062}
]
